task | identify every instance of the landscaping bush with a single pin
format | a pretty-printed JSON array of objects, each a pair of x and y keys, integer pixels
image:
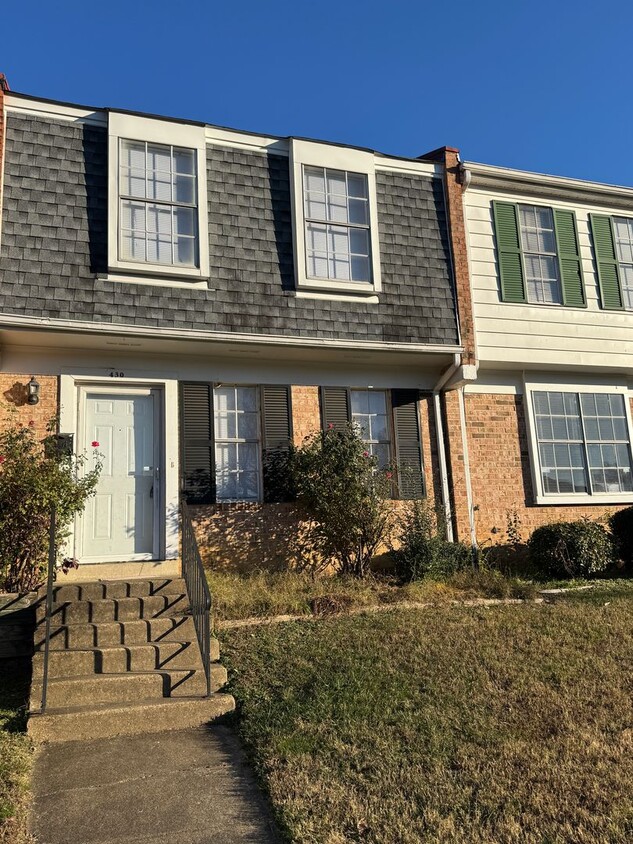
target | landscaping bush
[
  {"x": 621, "y": 524},
  {"x": 570, "y": 549},
  {"x": 424, "y": 550},
  {"x": 345, "y": 497},
  {"x": 33, "y": 479}
]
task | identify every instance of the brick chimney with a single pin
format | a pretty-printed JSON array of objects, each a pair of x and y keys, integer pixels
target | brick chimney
[{"x": 449, "y": 157}]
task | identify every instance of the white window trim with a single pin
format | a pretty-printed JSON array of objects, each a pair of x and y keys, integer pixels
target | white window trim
[
  {"x": 136, "y": 128},
  {"x": 311, "y": 153},
  {"x": 258, "y": 442},
  {"x": 553, "y": 498}
]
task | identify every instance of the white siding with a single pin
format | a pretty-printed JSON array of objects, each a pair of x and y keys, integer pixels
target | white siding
[{"x": 541, "y": 335}]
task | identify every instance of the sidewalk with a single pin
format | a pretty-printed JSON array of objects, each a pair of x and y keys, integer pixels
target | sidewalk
[{"x": 188, "y": 786}]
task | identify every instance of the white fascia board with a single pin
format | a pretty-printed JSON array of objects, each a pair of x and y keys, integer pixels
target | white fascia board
[
  {"x": 14, "y": 321},
  {"x": 243, "y": 140},
  {"x": 134, "y": 128},
  {"x": 405, "y": 165},
  {"x": 311, "y": 153},
  {"x": 490, "y": 176},
  {"x": 54, "y": 111}
]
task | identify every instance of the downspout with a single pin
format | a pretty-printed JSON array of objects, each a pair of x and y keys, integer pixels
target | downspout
[
  {"x": 469, "y": 490},
  {"x": 445, "y": 377}
]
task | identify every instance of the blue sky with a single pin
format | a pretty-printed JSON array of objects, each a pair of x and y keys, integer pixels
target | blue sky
[{"x": 542, "y": 86}]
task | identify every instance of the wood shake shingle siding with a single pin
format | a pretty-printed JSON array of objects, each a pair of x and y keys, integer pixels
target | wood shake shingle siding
[{"x": 54, "y": 248}]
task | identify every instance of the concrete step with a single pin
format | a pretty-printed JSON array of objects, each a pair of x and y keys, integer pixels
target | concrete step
[
  {"x": 113, "y": 609},
  {"x": 143, "y": 716},
  {"x": 118, "y": 660},
  {"x": 176, "y": 628},
  {"x": 93, "y": 689},
  {"x": 97, "y": 590}
]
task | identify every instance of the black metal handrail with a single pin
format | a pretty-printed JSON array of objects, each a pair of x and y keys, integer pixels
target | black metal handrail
[{"x": 197, "y": 589}]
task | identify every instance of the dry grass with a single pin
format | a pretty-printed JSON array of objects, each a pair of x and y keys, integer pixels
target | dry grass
[
  {"x": 509, "y": 725},
  {"x": 15, "y": 754},
  {"x": 262, "y": 593}
]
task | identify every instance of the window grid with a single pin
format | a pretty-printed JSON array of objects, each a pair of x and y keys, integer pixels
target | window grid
[
  {"x": 369, "y": 413},
  {"x": 583, "y": 443},
  {"x": 158, "y": 204},
  {"x": 336, "y": 209},
  {"x": 623, "y": 229},
  {"x": 237, "y": 443},
  {"x": 538, "y": 238}
]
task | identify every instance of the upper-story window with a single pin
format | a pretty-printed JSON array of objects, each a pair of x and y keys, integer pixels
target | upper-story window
[
  {"x": 336, "y": 209},
  {"x": 158, "y": 204},
  {"x": 623, "y": 228},
  {"x": 538, "y": 239},
  {"x": 538, "y": 254},
  {"x": 335, "y": 219}
]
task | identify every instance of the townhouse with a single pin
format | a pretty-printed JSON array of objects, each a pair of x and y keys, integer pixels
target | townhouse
[
  {"x": 194, "y": 299},
  {"x": 548, "y": 419}
]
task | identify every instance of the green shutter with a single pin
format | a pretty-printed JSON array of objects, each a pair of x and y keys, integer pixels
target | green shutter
[
  {"x": 509, "y": 251},
  {"x": 196, "y": 443},
  {"x": 335, "y": 408},
  {"x": 606, "y": 262},
  {"x": 406, "y": 429},
  {"x": 276, "y": 441},
  {"x": 569, "y": 259}
]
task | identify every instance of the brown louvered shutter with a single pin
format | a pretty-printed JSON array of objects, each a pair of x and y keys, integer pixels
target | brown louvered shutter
[
  {"x": 406, "y": 430},
  {"x": 196, "y": 443},
  {"x": 334, "y": 407},
  {"x": 276, "y": 412}
]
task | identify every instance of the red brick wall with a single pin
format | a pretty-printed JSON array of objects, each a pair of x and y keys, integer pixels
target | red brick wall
[
  {"x": 14, "y": 405},
  {"x": 500, "y": 471},
  {"x": 306, "y": 414}
]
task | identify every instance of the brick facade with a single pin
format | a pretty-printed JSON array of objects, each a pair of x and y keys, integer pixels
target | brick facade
[
  {"x": 14, "y": 405},
  {"x": 247, "y": 536},
  {"x": 500, "y": 472}
]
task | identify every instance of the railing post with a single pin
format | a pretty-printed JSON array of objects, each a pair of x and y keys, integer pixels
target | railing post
[{"x": 49, "y": 603}]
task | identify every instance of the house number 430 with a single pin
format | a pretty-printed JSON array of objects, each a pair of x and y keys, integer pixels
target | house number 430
[{"x": 115, "y": 373}]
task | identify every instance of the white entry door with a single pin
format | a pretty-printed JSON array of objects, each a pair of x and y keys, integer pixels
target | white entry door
[{"x": 120, "y": 520}]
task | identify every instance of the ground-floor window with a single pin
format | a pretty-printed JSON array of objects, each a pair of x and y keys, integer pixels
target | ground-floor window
[
  {"x": 237, "y": 443},
  {"x": 583, "y": 441},
  {"x": 369, "y": 413}
]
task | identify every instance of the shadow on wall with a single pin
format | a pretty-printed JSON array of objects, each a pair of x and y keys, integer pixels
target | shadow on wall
[
  {"x": 17, "y": 394},
  {"x": 244, "y": 537}
]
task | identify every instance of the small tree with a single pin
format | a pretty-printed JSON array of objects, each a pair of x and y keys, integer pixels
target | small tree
[
  {"x": 33, "y": 480},
  {"x": 345, "y": 495}
]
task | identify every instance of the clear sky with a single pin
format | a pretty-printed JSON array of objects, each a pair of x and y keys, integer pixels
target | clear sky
[{"x": 542, "y": 85}]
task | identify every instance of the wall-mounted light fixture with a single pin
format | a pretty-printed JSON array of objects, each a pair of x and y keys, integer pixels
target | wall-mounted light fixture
[{"x": 33, "y": 388}]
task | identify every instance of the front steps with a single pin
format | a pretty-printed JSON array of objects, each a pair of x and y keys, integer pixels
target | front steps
[{"x": 123, "y": 659}]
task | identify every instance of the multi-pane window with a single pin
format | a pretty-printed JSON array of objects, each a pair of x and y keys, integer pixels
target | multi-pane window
[
  {"x": 237, "y": 443},
  {"x": 158, "y": 194},
  {"x": 623, "y": 229},
  {"x": 538, "y": 239},
  {"x": 583, "y": 442},
  {"x": 337, "y": 228},
  {"x": 369, "y": 413}
]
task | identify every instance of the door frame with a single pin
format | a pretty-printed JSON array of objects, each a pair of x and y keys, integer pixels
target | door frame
[{"x": 73, "y": 389}]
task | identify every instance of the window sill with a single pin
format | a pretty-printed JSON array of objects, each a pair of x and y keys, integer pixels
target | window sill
[
  {"x": 156, "y": 281},
  {"x": 581, "y": 499},
  {"x": 163, "y": 270}
]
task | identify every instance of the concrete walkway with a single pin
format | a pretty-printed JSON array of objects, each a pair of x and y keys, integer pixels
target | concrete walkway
[{"x": 190, "y": 786}]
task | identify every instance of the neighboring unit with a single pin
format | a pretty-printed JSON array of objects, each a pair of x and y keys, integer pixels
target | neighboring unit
[{"x": 549, "y": 418}]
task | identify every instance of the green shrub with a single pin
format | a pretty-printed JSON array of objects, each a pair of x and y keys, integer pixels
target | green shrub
[
  {"x": 621, "y": 524},
  {"x": 33, "y": 480},
  {"x": 570, "y": 549},
  {"x": 345, "y": 497},
  {"x": 424, "y": 550}
]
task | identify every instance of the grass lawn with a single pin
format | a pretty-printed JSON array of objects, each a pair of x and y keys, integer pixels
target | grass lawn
[
  {"x": 450, "y": 724},
  {"x": 15, "y": 753}
]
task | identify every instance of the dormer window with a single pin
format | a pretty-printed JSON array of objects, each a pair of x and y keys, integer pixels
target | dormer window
[{"x": 158, "y": 204}]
